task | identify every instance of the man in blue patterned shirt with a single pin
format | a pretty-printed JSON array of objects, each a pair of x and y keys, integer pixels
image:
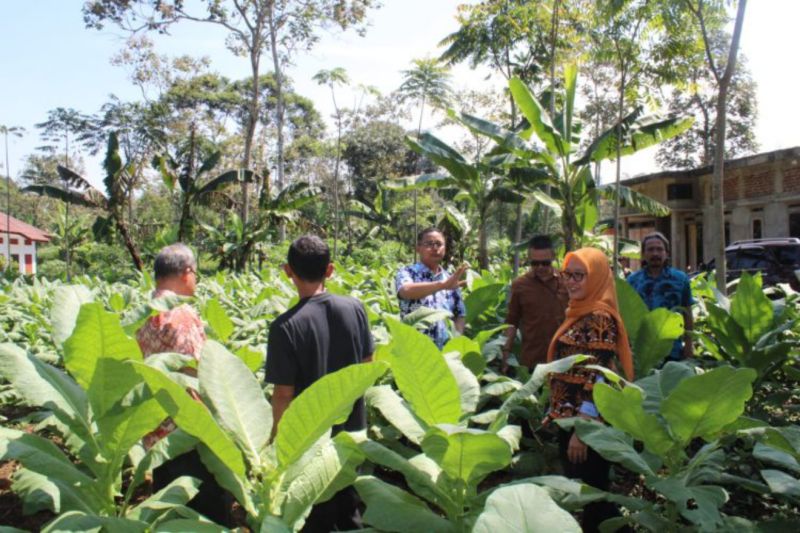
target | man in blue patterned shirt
[
  {"x": 660, "y": 285},
  {"x": 427, "y": 284}
]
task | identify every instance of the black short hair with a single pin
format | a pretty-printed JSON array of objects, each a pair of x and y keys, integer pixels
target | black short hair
[
  {"x": 309, "y": 257},
  {"x": 541, "y": 242},
  {"x": 173, "y": 260},
  {"x": 427, "y": 231}
]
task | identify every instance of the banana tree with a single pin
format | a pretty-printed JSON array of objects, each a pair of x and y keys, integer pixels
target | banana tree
[
  {"x": 478, "y": 184},
  {"x": 574, "y": 190},
  {"x": 112, "y": 202},
  {"x": 184, "y": 172},
  {"x": 377, "y": 212}
]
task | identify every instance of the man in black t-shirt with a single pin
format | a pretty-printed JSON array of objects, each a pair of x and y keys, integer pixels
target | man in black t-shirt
[{"x": 321, "y": 334}]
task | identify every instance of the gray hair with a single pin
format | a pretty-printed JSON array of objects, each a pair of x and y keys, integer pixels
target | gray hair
[{"x": 173, "y": 260}]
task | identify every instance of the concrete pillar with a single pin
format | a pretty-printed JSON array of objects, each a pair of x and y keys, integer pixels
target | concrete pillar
[
  {"x": 676, "y": 240},
  {"x": 740, "y": 222},
  {"x": 776, "y": 220},
  {"x": 692, "y": 244}
]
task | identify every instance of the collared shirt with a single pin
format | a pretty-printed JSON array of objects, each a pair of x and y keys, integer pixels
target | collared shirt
[
  {"x": 670, "y": 289},
  {"x": 178, "y": 330},
  {"x": 537, "y": 308},
  {"x": 448, "y": 300}
]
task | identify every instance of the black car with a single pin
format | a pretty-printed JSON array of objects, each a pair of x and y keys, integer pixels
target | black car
[{"x": 777, "y": 259}]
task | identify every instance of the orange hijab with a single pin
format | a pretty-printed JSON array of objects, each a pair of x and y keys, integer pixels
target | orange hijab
[{"x": 601, "y": 295}]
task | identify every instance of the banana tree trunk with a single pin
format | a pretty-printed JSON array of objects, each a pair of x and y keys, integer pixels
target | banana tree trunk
[
  {"x": 483, "y": 244},
  {"x": 126, "y": 238},
  {"x": 517, "y": 238}
]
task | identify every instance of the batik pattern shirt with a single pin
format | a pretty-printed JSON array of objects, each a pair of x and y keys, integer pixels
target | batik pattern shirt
[
  {"x": 178, "y": 330},
  {"x": 571, "y": 391},
  {"x": 671, "y": 290},
  {"x": 448, "y": 300}
]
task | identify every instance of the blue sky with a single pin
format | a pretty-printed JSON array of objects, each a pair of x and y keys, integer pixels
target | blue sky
[{"x": 51, "y": 60}]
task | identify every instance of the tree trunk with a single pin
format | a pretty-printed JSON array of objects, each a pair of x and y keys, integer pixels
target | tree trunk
[
  {"x": 67, "y": 258},
  {"x": 719, "y": 151},
  {"x": 517, "y": 237},
  {"x": 279, "y": 107},
  {"x": 620, "y": 110},
  {"x": 483, "y": 245},
  {"x": 126, "y": 238},
  {"x": 416, "y": 229}
]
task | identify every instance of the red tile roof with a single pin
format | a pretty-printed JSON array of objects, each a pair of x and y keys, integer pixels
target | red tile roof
[{"x": 20, "y": 228}]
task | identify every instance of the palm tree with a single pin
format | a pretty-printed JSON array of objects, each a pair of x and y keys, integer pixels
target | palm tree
[
  {"x": 332, "y": 78},
  {"x": 428, "y": 81},
  {"x": 16, "y": 131}
]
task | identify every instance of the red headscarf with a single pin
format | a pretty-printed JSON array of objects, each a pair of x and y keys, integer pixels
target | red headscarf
[{"x": 601, "y": 295}]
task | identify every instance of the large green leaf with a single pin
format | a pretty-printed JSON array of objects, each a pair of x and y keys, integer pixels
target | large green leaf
[
  {"x": 751, "y": 308},
  {"x": 218, "y": 319},
  {"x": 239, "y": 486},
  {"x": 419, "y": 480},
  {"x": 655, "y": 338},
  {"x": 532, "y": 386},
  {"x": 70, "y": 197},
  {"x": 468, "y": 384},
  {"x": 76, "y": 521},
  {"x": 235, "y": 396},
  {"x": 177, "y": 493},
  {"x": 537, "y": 117},
  {"x": 176, "y": 443},
  {"x": 781, "y": 483},
  {"x": 324, "y": 470},
  {"x": 631, "y": 307},
  {"x": 523, "y": 508},
  {"x": 392, "y": 509},
  {"x": 613, "y": 445},
  {"x": 396, "y": 411},
  {"x": 40, "y": 384},
  {"x": 703, "y": 405},
  {"x": 660, "y": 383},
  {"x": 422, "y": 375},
  {"x": 727, "y": 333},
  {"x": 67, "y": 301},
  {"x": 482, "y": 300},
  {"x": 623, "y": 410},
  {"x": 503, "y": 137},
  {"x": 699, "y": 504},
  {"x": 77, "y": 491},
  {"x": 326, "y": 402},
  {"x": 191, "y": 416},
  {"x": 466, "y": 454},
  {"x": 92, "y": 355},
  {"x": 124, "y": 425},
  {"x": 444, "y": 155}
]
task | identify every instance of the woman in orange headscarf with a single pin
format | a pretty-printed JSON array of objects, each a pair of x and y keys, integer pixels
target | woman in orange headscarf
[{"x": 593, "y": 326}]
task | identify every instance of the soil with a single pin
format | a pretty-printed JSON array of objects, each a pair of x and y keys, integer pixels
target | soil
[{"x": 11, "y": 505}]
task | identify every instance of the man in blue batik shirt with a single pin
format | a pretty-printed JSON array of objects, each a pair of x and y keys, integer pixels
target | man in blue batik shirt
[
  {"x": 660, "y": 285},
  {"x": 427, "y": 284}
]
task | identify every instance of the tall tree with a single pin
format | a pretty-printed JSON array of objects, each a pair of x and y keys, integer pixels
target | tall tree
[
  {"x": 428, "y": 81},
  {"x": 721, "y": 65},
  {"x": 699, "y": 95},
  {"x": 282, "y": 27},
  {"x": 333, "y": 78},
  {"x": 14, "y": 131}
]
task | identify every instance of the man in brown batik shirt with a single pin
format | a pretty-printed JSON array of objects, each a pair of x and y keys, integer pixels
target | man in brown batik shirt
[{"x": 538, "y": 302}]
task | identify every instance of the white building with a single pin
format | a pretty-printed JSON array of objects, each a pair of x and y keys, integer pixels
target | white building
[{"x": 20, "y": 240}]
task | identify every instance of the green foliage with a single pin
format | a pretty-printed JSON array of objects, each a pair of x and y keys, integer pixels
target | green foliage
[{"x": 651, "y": 333}]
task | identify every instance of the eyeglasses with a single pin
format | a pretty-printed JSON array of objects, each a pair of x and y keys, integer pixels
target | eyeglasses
[
  {"x": 574, "y": 276},
  {"x": 432, "y": 244},
  {"x": 540, "y": 263}
]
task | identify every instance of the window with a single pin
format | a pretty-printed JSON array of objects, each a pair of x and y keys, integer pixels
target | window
[
  {"x": 756, "y": 228},
  {"x": 679, "y": 191},
  {"x": 727, "y": 233},
  {"x": 794, "y": 224},
  {"x": 14, "y": 241}
]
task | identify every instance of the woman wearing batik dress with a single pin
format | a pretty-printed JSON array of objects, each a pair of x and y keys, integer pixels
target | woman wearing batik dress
[{"x": 593, "y": 327}]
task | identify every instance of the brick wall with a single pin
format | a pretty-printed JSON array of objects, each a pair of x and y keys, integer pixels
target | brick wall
[
  {"x": 791, "y": 179},
  {"x": 730, "y": 188},
  {"x": 758, "y": 182}
]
